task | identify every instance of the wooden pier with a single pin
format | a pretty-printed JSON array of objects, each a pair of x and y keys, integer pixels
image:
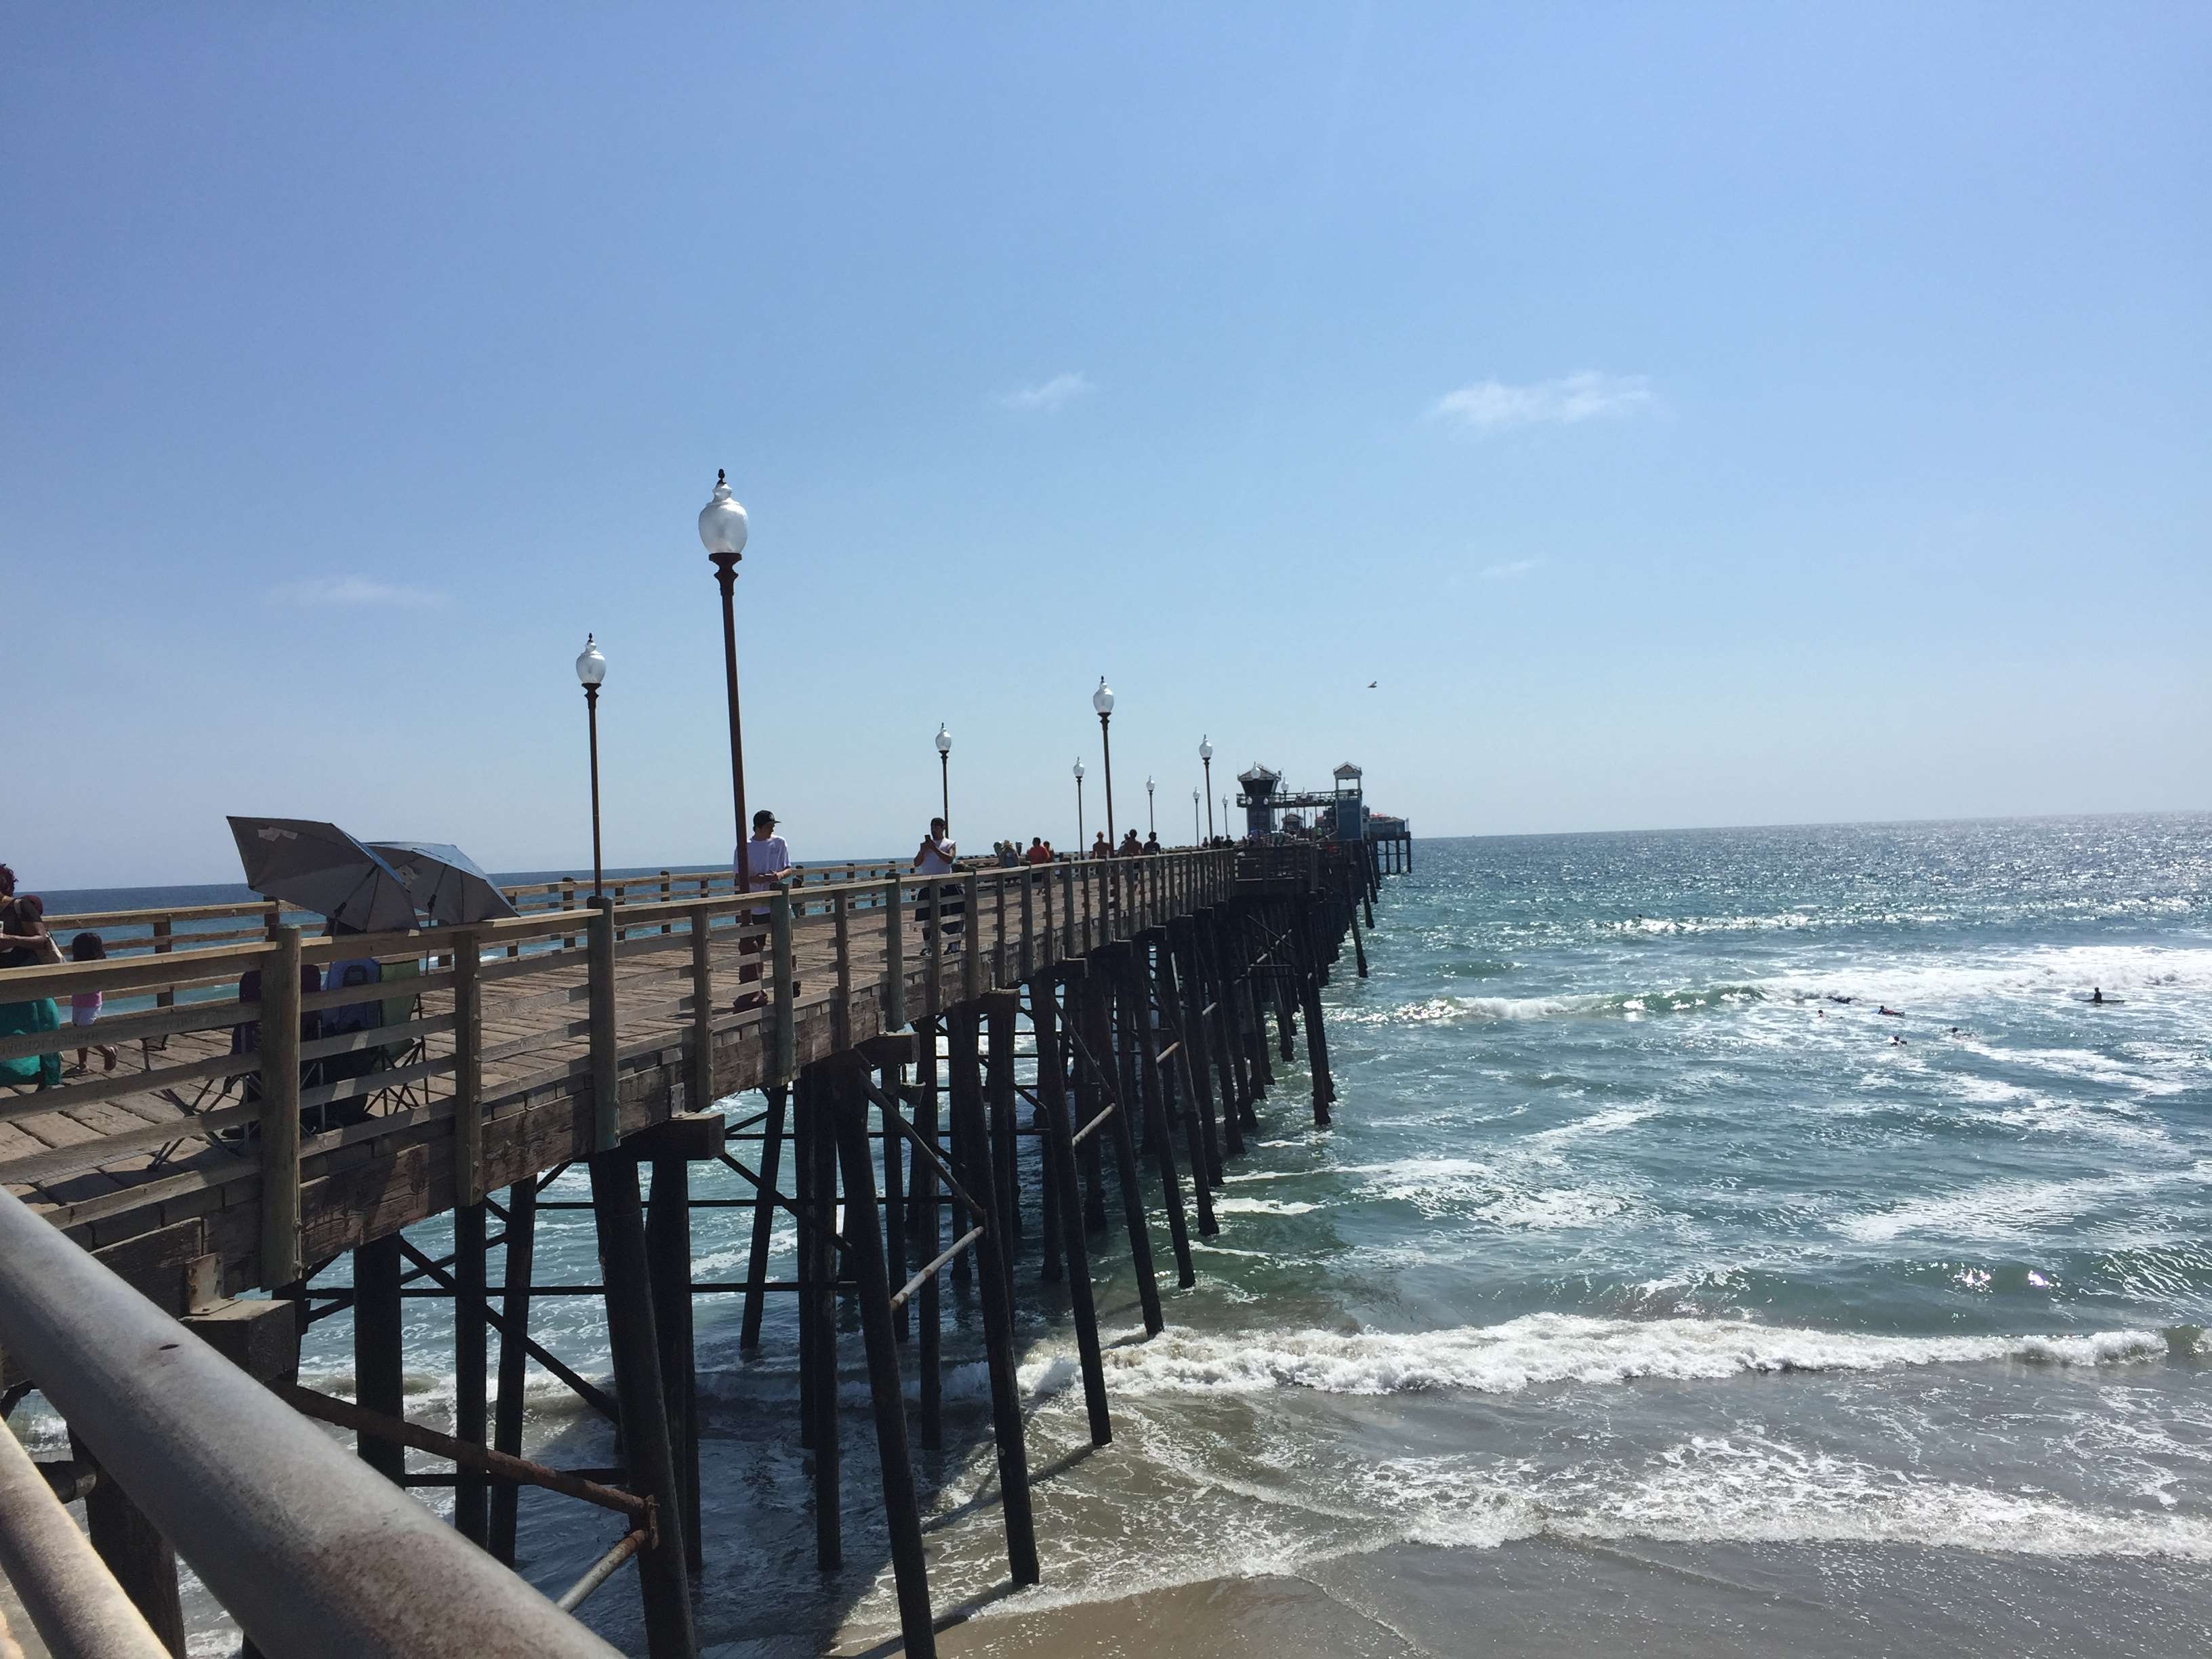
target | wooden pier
[{"x": 878, "y": 1016}]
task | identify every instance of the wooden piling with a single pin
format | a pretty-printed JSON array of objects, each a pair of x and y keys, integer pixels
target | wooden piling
[
  {"x": 1098, "y": 1038},
  {"x": 971, "y": 1155},
  {"x": 1133, "y": 995},
  {"x": 471, "y": 1492},
  {"x": 668, "y": 1260},
  {"x": 663, "y": 1582},
  {"x": 817, "y": 1177},
  {"x": 924, "y": 1215},
  {"x": 379, "y": 1362},
  {"x": 771, "y": 1152},
  {"x": 872, "y": 1289},
  {"x": 1067, "y": 1206},
  {"x": 517, "y": 1260}
]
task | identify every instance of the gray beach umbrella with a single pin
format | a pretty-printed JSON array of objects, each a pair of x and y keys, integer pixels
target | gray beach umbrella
[
  {"x": 321, "y": 868},
  {"x": 446, "y": 884}
]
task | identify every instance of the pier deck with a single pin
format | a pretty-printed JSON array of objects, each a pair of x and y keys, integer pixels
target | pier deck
[
  {"x": 257, "y": 1131},
  {"x": 155, "y": 1169}
]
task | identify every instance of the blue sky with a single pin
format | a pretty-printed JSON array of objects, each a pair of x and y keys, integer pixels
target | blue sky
[{"x": 1687, "y": 416}]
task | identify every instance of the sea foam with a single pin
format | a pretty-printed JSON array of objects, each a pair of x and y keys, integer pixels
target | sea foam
[{"x": 1548, "y": 1348}]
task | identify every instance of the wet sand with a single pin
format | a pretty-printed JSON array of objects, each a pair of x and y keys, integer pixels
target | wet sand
[{"x": 1541, "y": 1597}]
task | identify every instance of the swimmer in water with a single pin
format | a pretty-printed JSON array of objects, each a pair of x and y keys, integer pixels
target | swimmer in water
[{"x": 1896, "y": 1042}]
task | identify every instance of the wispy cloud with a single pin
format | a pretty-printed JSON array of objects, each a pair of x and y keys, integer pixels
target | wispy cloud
[
  {"x": 355, "y": 592},
  {"x": 1489, "y": 406},
  {"x": 1509, "y": 570},
  {"x": 1055, "y": 393}
]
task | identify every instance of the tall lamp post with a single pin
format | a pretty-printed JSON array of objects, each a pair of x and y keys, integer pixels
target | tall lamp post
[
  {"x": 1151, "y": 824},
  {"x": 722, "y": 532},
  {"x": 1103, "y": 701},
  {"x": 1078, "y": 807},
  {"x": 945, "y": 773},
  {"x": 1205, "y": 759},
  {"x": 591, "y": 673}
]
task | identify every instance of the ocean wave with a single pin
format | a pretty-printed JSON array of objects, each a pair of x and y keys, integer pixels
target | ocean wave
[
  {"x": 1623, "y": 1005},
  {"x": 1753, "y": 1489},
  {"x": 1951, "y": 981},
  {"x": 2011, "y": 1209},
  {"x": 1538, "y": 1350}
]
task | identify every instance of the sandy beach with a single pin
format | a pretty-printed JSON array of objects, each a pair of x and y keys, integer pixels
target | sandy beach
[{"x": 1542, "y": 1598}]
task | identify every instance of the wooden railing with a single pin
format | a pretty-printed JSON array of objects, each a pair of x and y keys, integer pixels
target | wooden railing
[
  {"x": 476, "y": 1022},
  {"x": 160, "y": 929}
]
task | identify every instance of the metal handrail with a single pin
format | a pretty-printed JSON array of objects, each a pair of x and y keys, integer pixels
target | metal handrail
[
  {"x": 310, "y": 1550},
  {"x": 79, "y": 1610}
]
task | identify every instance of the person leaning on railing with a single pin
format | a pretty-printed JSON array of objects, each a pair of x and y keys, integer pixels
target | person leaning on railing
[
  {"x": 762, "y": 863},
  {"x": 25, "y": 943}
]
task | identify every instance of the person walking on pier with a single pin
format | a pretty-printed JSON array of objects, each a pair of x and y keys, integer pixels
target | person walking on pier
[
  {"x": 1130, "y": 847},
  {"x": 937, "y": 856},
  {"x": 1039, "y": 853},
  {"x": 762, "y": 863},
  {"x": 84, "y": 1006},
  {"x": 1102, "y": 847}
]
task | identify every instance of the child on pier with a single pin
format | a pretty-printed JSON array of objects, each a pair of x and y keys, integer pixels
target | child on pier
[{"x": 84, "y": 1006}]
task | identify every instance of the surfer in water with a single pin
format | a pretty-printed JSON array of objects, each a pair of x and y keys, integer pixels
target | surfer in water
[
  {"x": 2097, "y": 995},
  {"x": 1892, "y": 1012}
]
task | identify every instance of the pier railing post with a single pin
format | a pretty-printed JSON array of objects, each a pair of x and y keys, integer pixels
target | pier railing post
[
  {"x": 702, "y": 1081},
  {"x": 971, "y": 927},
  {"x": 779, "y": 922},
  {"x": 1029, "y": 951},
  {"x": 599, "y": 966},
  {"x": 468, "y": 1070},
  {"x": 998, "y": 931},
  {"x": 841, "y": 1013},
  {"x": 894, "y": 958},
  {"x": 280, "y": 1110},
  {"x": 933, "y": 934}
]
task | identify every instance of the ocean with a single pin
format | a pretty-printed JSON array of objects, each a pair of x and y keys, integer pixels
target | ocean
[{"x": 1727, "y": 1240}]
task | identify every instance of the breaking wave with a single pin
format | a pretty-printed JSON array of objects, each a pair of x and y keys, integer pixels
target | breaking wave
[{"x": 1546, "y": 1348}]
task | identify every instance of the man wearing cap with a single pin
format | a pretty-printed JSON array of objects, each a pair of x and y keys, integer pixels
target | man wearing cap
[{"x": 762, "y": 863}]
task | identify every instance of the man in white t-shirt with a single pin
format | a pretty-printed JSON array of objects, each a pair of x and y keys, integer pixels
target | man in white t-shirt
[
  {"x": 763, "y": 863},
  {"x": 764, "y": 858},
  {"x": 937, "y": 856}
]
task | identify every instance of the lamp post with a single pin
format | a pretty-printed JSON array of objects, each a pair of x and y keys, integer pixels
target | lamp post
[
  {"x": 722, "y": 532},
  {"x": 1194, "y": 818},
  {"x": 945, "y": 773},
  {"x": 1103, "y": 701},
  {"x": 1205, "y": 759},
  {"x": 1078, "y": 807},
  {"x": 1151, "y": 824},
  {"x": 591, "y": 673}
]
